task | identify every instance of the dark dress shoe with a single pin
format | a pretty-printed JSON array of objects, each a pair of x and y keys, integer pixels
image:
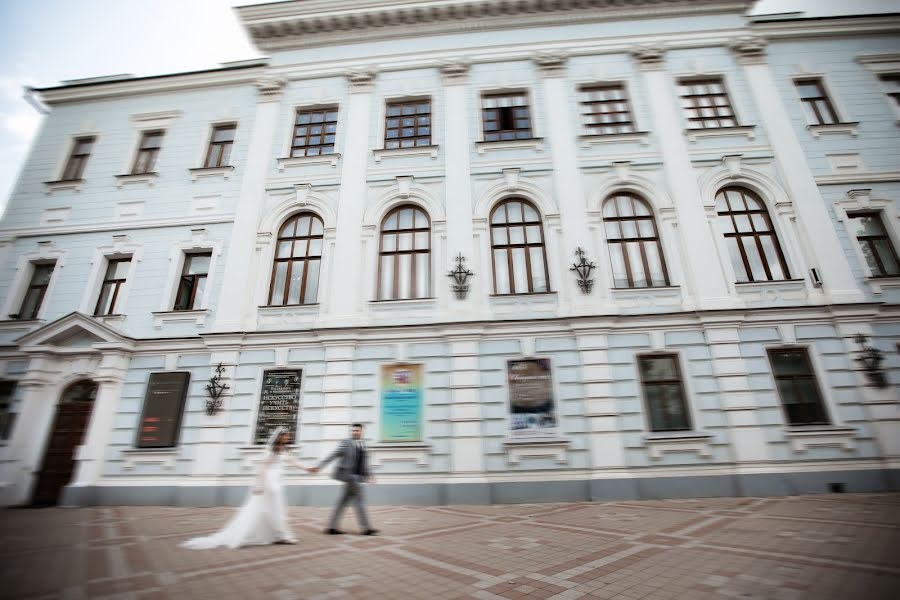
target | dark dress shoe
[
  {"x": 370, "y": 532},
  {"x": 333, "y": 531}
]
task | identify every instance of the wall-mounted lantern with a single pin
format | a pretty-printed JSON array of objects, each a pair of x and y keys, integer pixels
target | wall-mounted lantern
[
  {"x": 215, "y": 389},
  {"x": 583, "y": 269},
  {"x": 460, "y": 277}
]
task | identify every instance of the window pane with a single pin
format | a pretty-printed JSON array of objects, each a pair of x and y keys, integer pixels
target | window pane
[
  {"x": 501, "y": 272},
  {"x": 655, "y": 368},
  {"x": 312, "y": 281},
  {"x": 500, "y": 238},
  {"x": 421, "y": 239},
  {"x": 737, "y": 262},
  {"x": 389, "y": 242},
  {"x": 617, "y": 258},
  {"x": 296, "y": 281},
  {"x": 196, "y": 264},
  {"x": 520, "y": 273},
  {"x": 756, "y": 264},
  {"x": 867, "y": 225},
  {"x": 422, "y": 275},
  {"x": 657, "y": 273},
  {"x": 888, "y": 260},
  {"x": 284, "y": 250},
  {"x": 533, "y": 234},
  {"x": 667, "y": 407},
  {"x": 405, "y": 241},
  {"x": 103, "y": 302},
  {"x": 406, "y": 218},
  {"x": 387, "y": 278},
  {"x": 629, "y": 229},
  {"x": 404, "y": 276},
  {"x": 421, "y": 219},
  {"x": 637, "y": 265},
  {"x": 300, "y": 248},
  {"x": 42, "y": 274},
  {"x": 790, "y": 362},
  {"x": 515, "y": 212},
  {"x": 516, "y": 235},
  {"x": 774, "y": 262},
  {"x": 531, "y": 215},
  {"x": 538, "y": 276},
  {"x": 198, "y": 296},
  {"x": 277, "y": 298},
  {"x": 315, "y": 247}
]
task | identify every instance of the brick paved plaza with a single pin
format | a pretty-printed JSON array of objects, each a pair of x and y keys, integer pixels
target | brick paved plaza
[{"x": 824, "y": 547}]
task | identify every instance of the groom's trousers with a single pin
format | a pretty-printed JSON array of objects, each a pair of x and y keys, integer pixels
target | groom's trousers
[{"x": 353, "y": 492}]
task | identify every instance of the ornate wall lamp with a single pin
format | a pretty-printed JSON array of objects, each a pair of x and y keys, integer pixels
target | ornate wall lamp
[
  {"x": 871, "y": 359},
  {"x": 460, "y": 277},
  {"x": 215, "y": 390},
  {"x": 583, "y": 269}
]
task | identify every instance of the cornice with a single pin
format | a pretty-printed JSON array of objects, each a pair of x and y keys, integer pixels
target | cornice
[
  {"x": 813, "y": 28},
  {"x": 310, "y": 23}
]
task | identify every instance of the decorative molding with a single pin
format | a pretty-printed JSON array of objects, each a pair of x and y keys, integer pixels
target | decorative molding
[
  {"x": 360, "y": 80},
  {"x": 62, "y": 185},
  {"x": 536, "y": 144},
  {"x": 164, "y": 458},
  {"x": 803, "y": 439},
  {"x": 649, "y": 57},
  {"x": 198, "y": 172},
  {"x": 749, "y": 49},
  {"x": 666, "y": 443},
  {"x": 129, "y": 178},
  {"x": 640, "y": 137},
  {"x": 550, "y": 64},
  {"x": 302, "y": 161},
  {"x": 721, "y": 132},
  {"x": 517, "y": 449},
  {"x": 271, "y": 317},
  {"x": 381, "y": 153},
  {"x": 852, "y": 129},
  {"x": 269, "y": 89},
  {"x": 387, "y": 453},
  {"x": 454, "y": 71},
  {"x": 858, "y": 178},
  {"x": 194, "y": 317}
]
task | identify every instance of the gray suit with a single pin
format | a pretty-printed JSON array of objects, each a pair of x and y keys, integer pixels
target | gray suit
[{"x": 348, "y": 455}]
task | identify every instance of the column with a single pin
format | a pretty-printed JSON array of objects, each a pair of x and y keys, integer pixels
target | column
[
  {"x": 347, "y": 295},
  {"x": 458, "y": 189},
  {"x": 702, "y": 260},
  {"x": 837, "y": 277},
  {"x": 567, "y": 186},
  {"x": 466, "y": 451},
  {"x": 337, "y": 389},
  {"x": 236, "y": 296},
  {"x": 209, "y": 451}
]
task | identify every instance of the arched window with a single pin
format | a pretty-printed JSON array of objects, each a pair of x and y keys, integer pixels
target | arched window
[
  {"x": 634, "y": 248},
  {"x": 517, "y": 247},
  {"x": 404, "y": 258},
  {"x": 298, "y": 255},
  {"x": 752, "y": 243}
]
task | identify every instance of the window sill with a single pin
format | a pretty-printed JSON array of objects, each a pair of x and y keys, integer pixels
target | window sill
[
  {"x": 588, "y": 140},
  {"x": 536, "y": 144},
  {"x": 519, "y": 448},
  {"x": 664, "y": 442},
  {"x": 392, "y": 452},
  {"x": 879, "y": 284},
  {"x": 148, "y": 178},
  {"x": 518, "y": 299},
  {"x": 111, "y": 319},
  {"x": 64, "y": 184},
  {"x": 852, "y": 129},
  {"x": 302, "y": 161},
  {"x": 803, "y": 438},
  {"x": 381, "y": 153},
  {"x": 198, "y": 172},
  {"x": 163, "y": 457},
  {"x": 650, "y": 296},
  {"x": 252, "y": 456},
  {"x": 715, "y": 132},
  {"x": 269, "y": 316},
  {"x": 395, "y": 305},
  {"x": 195, "y": 317},
  {"x": 19, "y": 324}
]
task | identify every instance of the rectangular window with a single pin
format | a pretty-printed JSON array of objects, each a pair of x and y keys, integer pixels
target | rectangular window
[
  {"x": 148, "y": 150},
  {"x": 664, "y": 392},
  {"x": 7, "y": 415},
  {"x": 192, "y": 281},
  {"x": 163, "y": 408},
  {"x": 891, "y": 84},
  {"x": 706, "y": 103},
  {"x": 506, "y": 117},
  {"x": 81, "y": 151},
  {"x": 875, "y": 244},
  {"x": 797, "y": 387},
  {"x": 816, "y": 104},
  {"x": 605, "y": 110},
  {"x": 407, "y": 124},
  {"x": 110, "y": 300},
  {"x": 314, "y": 132},
  {"x": 37, "y": 288},
  {"x": 220, "y": 142}
]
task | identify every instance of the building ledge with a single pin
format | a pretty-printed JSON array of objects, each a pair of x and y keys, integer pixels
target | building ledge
[
  {"x": 64, "y": 184},
  {"x": 129, "y": 178},
  {"x": 666, "y": 442},
  {"x": 879, "y": 284},
  {"x": 519, "y": 448},
  {"x": 302, "y": 161},
  {"x": 272, "y": 316},
  {"x": 13, "y": 324},
  {"x": 641, "y": 137},
  {"x": 195, "y": 317},
  {"x": 747, "y": 131},
  {"x": 388, "y": 452},
  {"x": 113, "y": 320},
  {"x": 251, "y": 456},
  {"x": 381, "y": 153},
  {"x": 851, "y": 129},
  {"x": 536, "y": 144},
  {"x": 163, "y": 457},
  {"x": 198, "y": 172},
  {"x": 410, "y": 304},
  {"x": 803, "y": 438}
]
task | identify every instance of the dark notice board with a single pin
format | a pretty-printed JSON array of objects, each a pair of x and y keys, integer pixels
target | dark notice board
[
  {"x": 279, "y": 403},
  {"x": 163, "y": 408}
]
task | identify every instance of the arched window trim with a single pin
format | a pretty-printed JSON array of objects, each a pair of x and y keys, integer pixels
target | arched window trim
[
  {"x": 656, "y": 239},
  {"x": 396, "y": 253},
  {"x": 757, "y": 236},
  {"x": 529, "y": 267},
  {"x": 304, "y": 260}
]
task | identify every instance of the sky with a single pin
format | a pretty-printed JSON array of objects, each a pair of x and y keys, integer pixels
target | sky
[{"x": 44, "y": 42}]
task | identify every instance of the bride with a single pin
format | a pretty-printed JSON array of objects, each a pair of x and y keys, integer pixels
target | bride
[{"x": 263, "y": 517}]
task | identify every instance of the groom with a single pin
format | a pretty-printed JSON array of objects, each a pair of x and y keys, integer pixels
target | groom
[{"x": 353, "y": 469}]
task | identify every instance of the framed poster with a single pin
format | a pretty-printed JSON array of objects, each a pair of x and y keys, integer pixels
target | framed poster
[
  {"x": 279, "y": 403},
  {"x": 532, "y": 409},
  {"x": 401, "y": 403},
  {"x": 163, "y": 409}
]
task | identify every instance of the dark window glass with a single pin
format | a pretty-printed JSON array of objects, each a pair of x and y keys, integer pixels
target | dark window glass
[
  {"x": 605, "y": 110},
  {"x": 37, "y": 289},
  {"x": 220, "y": 142},
  {"x": 816, "y": 104},
  {"x": 148, "y": 150},
  {"x": 875, "y": 244},
  {"x": 706, "y": 103},
  {"x": 891, "y": 83},
  {"x": 404, "y": 258},
  {"x": 506, "y": 117},
  {"x": 634, "y": 247},
  {"x": 797, "y": 387},
  {"x": 314, "y": 132},
  {"x": 517, "y": 249},
  {"x": 163, "y": 408},
  {"x": 192, "y": 281},
  {"x": 298, "y": 257},
  {"x": 407, "y": 124},
  {"x": 81, "y": 151},
  {"x": 7, "y": 415},
  {"x": 752, "y": 244},
  {"x": 110, "y": 300},
  {"x": 664, "y": 392}
]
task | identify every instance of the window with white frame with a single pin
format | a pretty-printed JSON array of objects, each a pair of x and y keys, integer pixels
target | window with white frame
[
  {"x": 36, "y": 291},
  {"x": 706, "y": 103},
  {"x": 817, "y": 105},
  {"x": 875, "y": 243},
  {"x": 111, "y": 297},
  {"x": 81, "y": 151},
  {"x": 635, "y": 251},
  {"x": 148, "y": 150},
  {"x": 7, "y": 408},
  {"x": 192, "y": 281},
  {"x": 797, "y": 387},
  {"x": 218, "y": 154},
  {"x": 891, "y": 84},
  {"x": 752, "y": 242},
  {"x": 506, "y": 116},
  {"x": 605, "y": 109},
  {"x": 663, "y": 388}
]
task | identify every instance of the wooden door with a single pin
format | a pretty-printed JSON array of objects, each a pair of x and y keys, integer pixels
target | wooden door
[{"x": 72, "y": 416}]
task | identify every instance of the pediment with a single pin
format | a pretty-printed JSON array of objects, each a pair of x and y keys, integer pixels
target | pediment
[{"x": 74, "y": 332}]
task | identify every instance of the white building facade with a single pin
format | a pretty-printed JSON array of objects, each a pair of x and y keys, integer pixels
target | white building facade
[{"x": 192, "y": 259}]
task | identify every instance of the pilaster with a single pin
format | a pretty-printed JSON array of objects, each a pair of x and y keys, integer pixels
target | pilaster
[
  {"x": 607, "y": 444},
  {"x": 467, "y": 452}
]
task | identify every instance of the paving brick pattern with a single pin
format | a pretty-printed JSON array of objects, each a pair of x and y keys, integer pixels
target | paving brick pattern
[{"x": 818, "y": 547}]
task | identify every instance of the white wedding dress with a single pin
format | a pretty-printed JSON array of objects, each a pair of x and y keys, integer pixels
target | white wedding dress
[{"x": 262, "y": 519}]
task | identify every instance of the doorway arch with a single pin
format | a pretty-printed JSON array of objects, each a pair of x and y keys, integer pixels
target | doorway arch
[{"x": 72, "y": 416}]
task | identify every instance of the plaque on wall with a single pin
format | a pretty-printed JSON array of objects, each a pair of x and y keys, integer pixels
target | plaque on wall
[
  {"x": 531, "y": 405},
  {"x": 279, "y": 403},
  {"x": 163, "y": 409},
  {"x": 401, "y": 403}
]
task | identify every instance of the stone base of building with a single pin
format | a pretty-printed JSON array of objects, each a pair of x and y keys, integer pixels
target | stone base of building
[{"x": 508, "y": 492}]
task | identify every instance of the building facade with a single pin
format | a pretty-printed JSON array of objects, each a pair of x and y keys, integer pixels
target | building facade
[{"x": 544, "y": 251}]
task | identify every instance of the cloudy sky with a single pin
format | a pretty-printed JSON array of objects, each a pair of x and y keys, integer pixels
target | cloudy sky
[{"x": 43, "y": 42}]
